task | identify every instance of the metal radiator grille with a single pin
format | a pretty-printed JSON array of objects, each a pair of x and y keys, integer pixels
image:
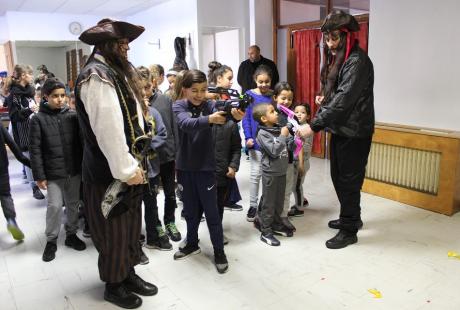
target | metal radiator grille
[{"x": 406, "y": 167}]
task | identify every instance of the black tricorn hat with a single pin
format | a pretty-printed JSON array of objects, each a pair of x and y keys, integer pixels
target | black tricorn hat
[
  {"x": 337, "y": 20},
  {"x": 108, "y": 29}
]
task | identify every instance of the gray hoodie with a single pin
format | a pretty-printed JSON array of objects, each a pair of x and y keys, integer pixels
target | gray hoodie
[{"x": 274, "y": 148}]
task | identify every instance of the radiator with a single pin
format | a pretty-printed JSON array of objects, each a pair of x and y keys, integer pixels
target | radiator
[{"x": 405, "y": 167}]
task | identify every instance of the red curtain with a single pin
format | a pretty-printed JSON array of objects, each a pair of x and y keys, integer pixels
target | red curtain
[{"x": 308, "y": 63}]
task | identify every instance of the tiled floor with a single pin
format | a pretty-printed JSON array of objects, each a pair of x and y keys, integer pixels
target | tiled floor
[{"x": 402, "y": 252}]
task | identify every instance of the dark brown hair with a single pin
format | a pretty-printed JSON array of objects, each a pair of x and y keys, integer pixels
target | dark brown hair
[
  {"x": 331, "y": 66},
  {"x": 193, "y": 76}
]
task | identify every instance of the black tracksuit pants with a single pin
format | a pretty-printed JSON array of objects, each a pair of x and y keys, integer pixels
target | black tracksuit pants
[{"x": 200, "y": 195}]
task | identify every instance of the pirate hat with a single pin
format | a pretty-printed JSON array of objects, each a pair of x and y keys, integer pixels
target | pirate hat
[{"x": 108, "y": 29}]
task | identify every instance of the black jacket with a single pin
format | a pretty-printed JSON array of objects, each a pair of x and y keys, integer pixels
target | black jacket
[
  {"x": 18, "y": 103},
  {"x": 350, "y": 110},
  {"x": 227, "y": 148},
  {"x": 55, "y": 145},
  {"x": 163, "y": 104},
  {"x": 247, "y": 69}
]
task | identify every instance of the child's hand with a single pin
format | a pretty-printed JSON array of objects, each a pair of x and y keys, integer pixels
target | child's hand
[
  {"x": 301, "y": 170},
  {"x": 217, "y": 118},
  {"x": 42, "y": 184},
  {"x": 231, "y": 173},
  {"x": 250, "y": 143},
  {"x": 237, "y": 114},
  {"x": 34, "y": 108},
  {"x": 285, "y": 131},
  {"x": 304, "y": 131}
]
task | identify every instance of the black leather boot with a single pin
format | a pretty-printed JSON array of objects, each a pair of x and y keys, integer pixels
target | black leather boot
[
  {"x": 117, "y": 294},
  {"x": 337, "y": 224},
  {"x": 135, "y": 284},
  {"x": 341, "y": 240}
]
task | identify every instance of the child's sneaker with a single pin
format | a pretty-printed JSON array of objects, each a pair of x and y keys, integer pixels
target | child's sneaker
[
  {"x": 305, "y": 202},
  {"x": 74, "y": 242},
  {"x": 221, "y": 262},
  {"x": 251, "y": 214},
  {"x": 283, "y": 231},
  {"x": 269, "y": 239},
  {"x": 173, "y": 232},
  {"x": 14, "y": 229},
  {"x": 295, "y": 212},
  {"x": 50, "y": 252},
  {"x": 144, "y": 258},
  {"x": 288, "y": 224},
  {"x": 187, "y": 251},
  {"x": 234, "y": 207}
]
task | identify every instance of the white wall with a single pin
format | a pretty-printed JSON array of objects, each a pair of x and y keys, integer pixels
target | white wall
[
  {"x": 282, "y": 53},
  {"x": 264, "y": 27},
  {"x": 52, "y": 57},
  {"x": 216, "y": 16},
  {"x": 414, "y": 46},
  {"x": 3, "y": 66},
  {"x": 165, "y": 22},
  {"x": 294, "y": 12},
  {"x": 3, "y": 30},
  {"x": 45, "y": 26}
]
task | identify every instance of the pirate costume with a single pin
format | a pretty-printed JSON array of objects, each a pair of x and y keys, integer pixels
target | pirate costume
[
  {"x": 348, "y": 113},
  {"x": 111, "y": 120}
]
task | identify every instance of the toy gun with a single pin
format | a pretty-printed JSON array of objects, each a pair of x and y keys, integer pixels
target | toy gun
[
  {"x": 114, "y": 193},
  {"x": 236, "y": 100},
  {"x": 293, "y": 126}
]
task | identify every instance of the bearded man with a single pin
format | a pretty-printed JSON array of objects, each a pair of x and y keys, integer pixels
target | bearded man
[
  {"x": 108, "y": 100},
  {"x": 347, "y": 111}
]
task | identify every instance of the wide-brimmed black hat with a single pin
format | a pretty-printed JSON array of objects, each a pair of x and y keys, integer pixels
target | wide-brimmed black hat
[
  {"x": 108, "y": 29},
  {"x": 337, "y": 20}
]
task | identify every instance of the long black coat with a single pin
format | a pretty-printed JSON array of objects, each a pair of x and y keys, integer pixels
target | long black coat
[
  {"x": 55, "y": 145},
  {"x": 227, "y": 148},
  {"x": 350, "y": 110},
  {"x": 5, "y": 138}
]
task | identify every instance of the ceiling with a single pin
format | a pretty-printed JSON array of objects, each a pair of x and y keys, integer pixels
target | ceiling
[
  {"x": 84, "y": 7},
  {"x": 351, "y": 4}
]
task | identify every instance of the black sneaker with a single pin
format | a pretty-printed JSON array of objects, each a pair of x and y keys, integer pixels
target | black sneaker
[
  {"x": 37, "y": 193},
  {"x": 221, "y": 262},
  {"x": 234, "y": 207},
  {"x": 162, "y": 244},
  {"x": 337, "y": 224},
  {"x": 269, "y": 239},
  {"x": 187, "y": 251},
  {"x": 173, "y": 232},
  {"x": 74, "y": 242},
  {"x": 119, "y": 295},
  {"x": 86, "y": 232},
  {"x": 257, "y": 224},
  {"x": 144, "y": 258},
  {"x": 341, "y": 240},
  {"x": 141, "y": 238},
  {"x": 288, "y": 224},
  {"x": 251, "y": 214},
  {"x": 50, "y": 252},
  {"x": 305, "y": 202},
  {"x": 283, "y": 231},
  {"x": 295, "y": 212}
]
